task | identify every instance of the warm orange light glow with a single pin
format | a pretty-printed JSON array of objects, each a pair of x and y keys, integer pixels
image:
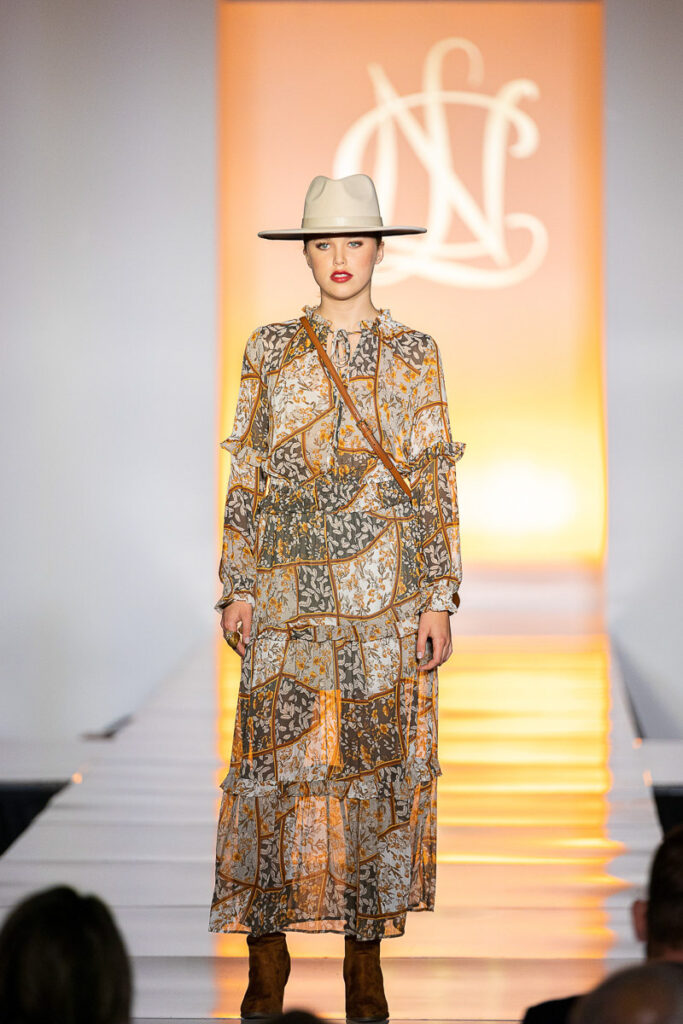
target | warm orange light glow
[{"x": 487, "y": 858}]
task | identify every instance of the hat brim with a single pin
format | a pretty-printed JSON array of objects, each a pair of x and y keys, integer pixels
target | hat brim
[{"x": 302, "y": 233}]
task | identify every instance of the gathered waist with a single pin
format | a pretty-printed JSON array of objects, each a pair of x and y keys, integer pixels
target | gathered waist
[{"x": 363, "y": 486}]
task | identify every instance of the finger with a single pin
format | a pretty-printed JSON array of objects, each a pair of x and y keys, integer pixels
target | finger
[
  {"x": 440, "y": 644},
  {"x": 435, "y": 660},
  {"x": 422, "y": 634},
  {"x": 246, "y": 624}
]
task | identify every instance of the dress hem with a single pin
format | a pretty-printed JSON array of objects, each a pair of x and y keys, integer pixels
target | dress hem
[{"x": 333, "y": 926}]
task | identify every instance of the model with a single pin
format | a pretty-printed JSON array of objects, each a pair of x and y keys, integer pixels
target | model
[{"x": 340, "y": 567}]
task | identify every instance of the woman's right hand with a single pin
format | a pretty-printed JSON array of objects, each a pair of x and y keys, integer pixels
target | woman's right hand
[{"x": 236, "y": 614}]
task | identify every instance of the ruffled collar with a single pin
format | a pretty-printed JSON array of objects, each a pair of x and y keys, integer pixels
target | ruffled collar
[{"x": 383, "y": 320}]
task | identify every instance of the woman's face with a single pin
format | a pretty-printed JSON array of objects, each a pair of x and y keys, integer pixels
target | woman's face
[{"x": 342, "y": 265}]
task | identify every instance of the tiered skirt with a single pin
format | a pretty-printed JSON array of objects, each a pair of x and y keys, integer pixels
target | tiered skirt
[{"x": 328, "y": 812}]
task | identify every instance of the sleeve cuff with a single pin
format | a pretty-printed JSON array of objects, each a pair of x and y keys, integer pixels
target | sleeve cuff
[
  {"x": 235, "y": 595},
  {"x": 444, "y": 597}
]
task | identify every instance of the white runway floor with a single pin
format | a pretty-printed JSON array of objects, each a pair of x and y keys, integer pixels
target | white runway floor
[{"x": 546, "y": 831}]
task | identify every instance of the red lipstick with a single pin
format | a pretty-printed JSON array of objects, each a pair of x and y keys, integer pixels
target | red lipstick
[{"x": 340, "y": 276}]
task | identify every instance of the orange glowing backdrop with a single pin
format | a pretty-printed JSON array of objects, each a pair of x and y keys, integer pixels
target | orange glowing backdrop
[{"x": 481, "y": 121}]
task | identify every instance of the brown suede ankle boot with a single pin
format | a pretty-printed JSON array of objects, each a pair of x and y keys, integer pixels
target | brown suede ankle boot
[
  {"x": 269, "y": 966},
  {"x": 365, "y": 999}
]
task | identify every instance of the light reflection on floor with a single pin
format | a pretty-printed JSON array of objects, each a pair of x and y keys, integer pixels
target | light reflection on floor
[{"x": 530, "y": 895}]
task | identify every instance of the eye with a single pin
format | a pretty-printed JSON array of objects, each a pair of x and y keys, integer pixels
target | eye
[
  {"x": 322, "y": 245},
  {"x": 355, "y": 242}
]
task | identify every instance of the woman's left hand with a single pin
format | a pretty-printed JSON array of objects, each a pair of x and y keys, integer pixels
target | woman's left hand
[{"x": 436, "y": 625}]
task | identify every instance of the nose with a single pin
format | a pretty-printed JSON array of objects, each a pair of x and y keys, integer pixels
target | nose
[{"x": 339, "y": 256}]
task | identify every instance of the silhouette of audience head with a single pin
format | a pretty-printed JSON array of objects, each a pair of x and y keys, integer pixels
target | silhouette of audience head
[
  {"x": 658, "y": 921},
  {"x": 62, "y": 960},
  {"x": 651, "y": 993}
]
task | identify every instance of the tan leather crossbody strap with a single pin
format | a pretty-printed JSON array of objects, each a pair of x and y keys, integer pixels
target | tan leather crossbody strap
[{"x": 362, "y": 425}]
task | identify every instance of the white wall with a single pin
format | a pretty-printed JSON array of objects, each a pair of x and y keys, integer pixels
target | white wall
[
  {"x": 107, "y": 321},
  {"x": 644, "y": 196}
]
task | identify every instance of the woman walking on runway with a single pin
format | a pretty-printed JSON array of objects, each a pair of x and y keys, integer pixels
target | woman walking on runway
[{"x": 340, "y": 566}]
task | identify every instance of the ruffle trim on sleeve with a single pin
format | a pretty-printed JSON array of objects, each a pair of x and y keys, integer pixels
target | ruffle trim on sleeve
[
  {"x": 451, "y": 450},
  {"x": 243, "y": 452},
  {"x": 236, "y": 588}
]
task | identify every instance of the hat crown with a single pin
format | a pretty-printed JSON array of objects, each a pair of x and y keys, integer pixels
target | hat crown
[
  {"x": 341, "y": 202},
  {"x": 341, "y": 206}
]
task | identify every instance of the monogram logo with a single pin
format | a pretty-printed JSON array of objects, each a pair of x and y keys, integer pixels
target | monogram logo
[{"x": 484, "y": 259}]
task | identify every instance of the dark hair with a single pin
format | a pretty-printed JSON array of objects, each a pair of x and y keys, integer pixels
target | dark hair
[
  {"x": 63, "y": 960},
  {"x": 665, "y": 896},
  {"x": 652, "y": 992}
]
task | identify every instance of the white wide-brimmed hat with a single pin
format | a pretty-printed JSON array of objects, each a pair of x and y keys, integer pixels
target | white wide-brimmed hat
[{"x": 341, "y": 206}]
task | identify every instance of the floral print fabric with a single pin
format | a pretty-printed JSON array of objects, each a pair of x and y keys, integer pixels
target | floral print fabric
[{"x": 328, "y": 812}]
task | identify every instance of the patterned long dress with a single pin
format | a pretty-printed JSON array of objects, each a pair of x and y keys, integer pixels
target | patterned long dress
[{"x": 328, "y": 811}]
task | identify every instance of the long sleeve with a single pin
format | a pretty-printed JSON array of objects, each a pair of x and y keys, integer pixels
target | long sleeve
[
  {"x": 432, "y": 457},
  {"x": 248, "y": 445}
]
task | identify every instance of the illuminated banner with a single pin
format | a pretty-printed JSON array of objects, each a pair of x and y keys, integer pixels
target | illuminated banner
[{"x": 482, "y": 122}]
